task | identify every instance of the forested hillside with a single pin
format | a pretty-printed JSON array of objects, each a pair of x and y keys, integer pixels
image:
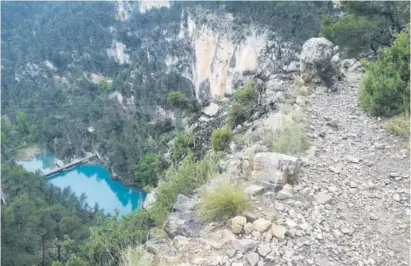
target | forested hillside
[
  {"x": 51, "y": 49},
  {"x": 76, "y": 78}
]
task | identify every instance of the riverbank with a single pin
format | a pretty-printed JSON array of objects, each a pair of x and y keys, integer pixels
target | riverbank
[{"x": 28, "y": 153}]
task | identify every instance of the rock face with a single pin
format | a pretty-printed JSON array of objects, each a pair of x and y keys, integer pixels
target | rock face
[
  {"x": 150, "y": 200},
  {"x": 319, "y": 61}
]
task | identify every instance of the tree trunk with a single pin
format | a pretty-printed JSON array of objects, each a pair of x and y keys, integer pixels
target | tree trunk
[
  {"x": 44, "y": 250},
  {"x": 58, "y": 252}
]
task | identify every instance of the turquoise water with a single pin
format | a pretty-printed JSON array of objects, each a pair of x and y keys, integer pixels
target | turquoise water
[{"x": 92, "y": 180}]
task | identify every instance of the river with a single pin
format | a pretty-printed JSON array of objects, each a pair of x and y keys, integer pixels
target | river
[{"x": 92, "y": 180}]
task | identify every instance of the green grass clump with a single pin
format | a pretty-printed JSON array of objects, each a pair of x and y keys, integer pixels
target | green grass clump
[
  {"x": 181, "y": 180},
  {"x": 290, "y": 140},
  {"x": 240, "y": 109},
  {"x": 221, "y": 138},
  {"x": 399, "y": 126},
  {"x": 223, "y": 202},
  {"x": 183, "y": 143}
]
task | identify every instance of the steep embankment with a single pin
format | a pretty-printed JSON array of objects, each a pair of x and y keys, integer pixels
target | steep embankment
[{"x": 349, "y": 206}]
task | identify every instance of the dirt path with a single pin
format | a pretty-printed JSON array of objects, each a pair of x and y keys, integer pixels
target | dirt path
[{"x": 364, "y": 172}]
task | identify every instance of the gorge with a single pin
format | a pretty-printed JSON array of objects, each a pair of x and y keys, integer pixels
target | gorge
[{"x": 227, "y": 133}]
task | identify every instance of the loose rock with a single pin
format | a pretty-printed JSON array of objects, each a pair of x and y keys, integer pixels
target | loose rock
[
  {"x": 278, "y": 231},
  {"x": 323, "y": 198},
  {"x": 237, "y": 224},
  {"x": 264, "y": 249},
  {"x": 286, "y": 192},
  {"x": 254, "y": 190},
  {"x": 353, "y": 159},
  {"x": 252, "y": 258},
  {"x": 248, "y": 228},
  {"x": 336, "y": 168},
  {"x": 261, "y": 225}
]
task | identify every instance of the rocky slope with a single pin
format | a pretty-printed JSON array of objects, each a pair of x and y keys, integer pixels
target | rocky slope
[{"x": 350, "y": 206}]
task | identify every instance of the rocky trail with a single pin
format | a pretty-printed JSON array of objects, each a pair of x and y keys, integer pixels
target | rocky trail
[
  {"x": 350, "y": 206},
  {"x": 361, "y": 174}
]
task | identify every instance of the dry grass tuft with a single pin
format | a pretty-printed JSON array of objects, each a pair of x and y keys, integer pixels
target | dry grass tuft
[
  {"x": 399, "y": 126},
  {"x": 290, "y": 140},
  {"x": 224, "y": 201}
]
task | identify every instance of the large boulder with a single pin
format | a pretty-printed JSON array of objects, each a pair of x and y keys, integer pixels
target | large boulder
[
  {"x": 271, "y": 169},
  {"x": 183, "y": 221},
  {"x": 211, "y": 110},
  {"x": 319, "y": 62}
]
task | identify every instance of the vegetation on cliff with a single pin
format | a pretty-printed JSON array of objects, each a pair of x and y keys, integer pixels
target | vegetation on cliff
[{"x": 366, "y": 26}]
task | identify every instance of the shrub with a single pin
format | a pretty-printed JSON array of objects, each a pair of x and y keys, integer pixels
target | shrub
[
  {"x": 176, "y": 99},
  {"x": 147, "y": 188},
  {"x": 385, "y": 89},
  {"x": 181, "y": 180},
  {"x": 399, "y": 126},
  {"x": 238, "y": 113},
  {"x": 223, "y": 202},
  {"x": 299, "y": 87},
  {"x": 146, "y": 173},
  {"x": 247, "y": 94},
  {"x": 183, "y": 142},
  {"x": 104, "y": 85},
  {"x": 290, "y": 140},
  {"x": 135, "y": 256},
  {"x": 240, "y": 109},
  {"x": 220, "y": 138}
]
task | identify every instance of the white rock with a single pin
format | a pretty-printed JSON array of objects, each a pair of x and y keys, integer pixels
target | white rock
[
  {"x": 237, "y": 224},
  {"x": 323, "y": 198},
  {"x": 353, "y": 159},
  {"x": 220, "y": 238},
  {"x": 231, "y": 253},
  {"x": 300, "y": 101},
  {"x": 254, "y": 190},
  {"x": 290, "y": 223},
  {"x": 379, "y": 145},
  {"x": 346, "y": 230},
  {"x": 261, "y": 225},
  {"x": 267, "y": 168},
  {"x": 244, "y": 245},
  {"x": 264, "y": 249},
  {"x": 252, "y": 258},
  {"x": 248, "y": 228},
  {"x": 336, "y": 168},
  {"x": 335, "y": 59},
  {"x": 278, "y": 206},
  {"x": 278, "y": 231},
  {"x": 373, "y": 217},
  {"x": 286, "y": 192},
  {"x": 396, "y": 197},
  {"x": 180, "y": 241},
  {"x": 211, "y": 110},
  {"x": 306, "y": 227}
]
